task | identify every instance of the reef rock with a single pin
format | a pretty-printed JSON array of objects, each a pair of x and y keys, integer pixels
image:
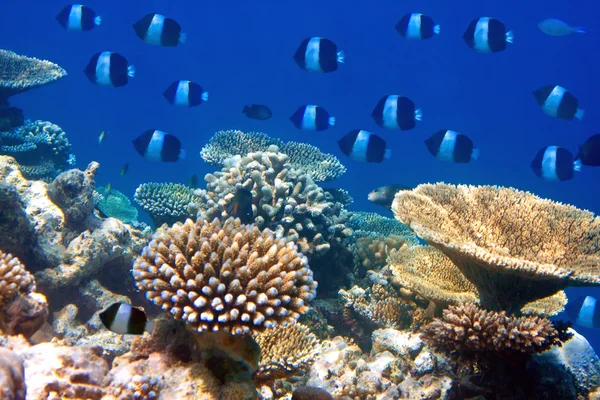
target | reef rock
[{"x": 12, "y": 376}]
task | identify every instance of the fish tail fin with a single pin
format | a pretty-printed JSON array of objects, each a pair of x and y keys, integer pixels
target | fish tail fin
[
  {"x": 182, "y": 154},
  {"x": 418, "y": 114},
  {"x": 98, "y": 20},
  {"x": 204, "y": 96},
  {"x": 475, "y": 153},
  {"x": 436, "y": 29},
  {"x": 577, "y": 165},
  {"x": 331, "y": 121},
  {"x": 246, "y": 109},
  {"x": 387, "y": 154},
  {"x": 341, "y": 56},
  {"x": 579, "y": 114},
  {"x": 150, "y": 326},
  {"x": 131, "y": 71},
  {"x": 580, "y": 29},
  {"x": 510, "y": 36},
  {"x": 182, "y": 37}
]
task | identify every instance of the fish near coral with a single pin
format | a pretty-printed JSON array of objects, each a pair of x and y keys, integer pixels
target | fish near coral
[
  {"x": 126, "y": 320},
  {"x": 384, "y": 195},
  {"x": 589, "y": 152},
  {"x": 240, "y": 206},
  {"x": 257, "y": 111}
]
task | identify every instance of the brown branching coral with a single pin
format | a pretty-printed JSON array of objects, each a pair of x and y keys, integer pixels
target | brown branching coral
[
  {"x": 225, "y": 276},
  {"x": 14, "y": 278},
  {"x": 371, "y": 251},
  {"x": 285, "y": 351},
  {"x": 513, "y": 246},
  {"x": 469, "y": 330}
]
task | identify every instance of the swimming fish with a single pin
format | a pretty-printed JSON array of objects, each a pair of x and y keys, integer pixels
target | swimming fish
[
  {"x": 107, "y": 189},
  {"x": 318, "y": 54},
  {"x": 109, "y": 69},
  {"x": 240, "y": 206},
  {"x": 449, "y": 145},
  {"x": 584, "y": 311},
  {"x": 558, "y": 102},
  {"x": 185, "y": 93},
  {"x": 361, "y": 145},
  {"x": 193, "y": 181},
  {"x": 589, "y": 152},
  {"x": 257, "y": 111},
  {"x": 396, "y": 112},
  {"x": 487, "y": 35},
  {"x": 101, "y": 137},
  {"x": 124, "y": 169},
  {"x": 384, "y": 195},
  {"x": 159, "y": 30},
  {"x": 417, "y": 26},
  {"x": 126, "y": 320},
  {"x": 310, "y": 393},
  {"x": 77, "y": 17},
  {"x": 556, "y": 27},
  {"x": 312, "y": 118},
  {"x": 156, "y": 145},
  {"x": 555, "y": 163}
]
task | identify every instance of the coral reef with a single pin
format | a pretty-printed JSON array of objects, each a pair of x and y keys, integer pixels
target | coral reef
[
  {"x": 226, "y": 144},
  {"x": 165, "y": 202},
  {"x": 12, "y": 376},
  {"x": 363, "y": 223},
  {"x": 72, "y": 191},
  {"x": 225, "y": 276},
  {"x": 20, "y": 73},
  {"x": 371, "y": 251},
  {"x": 14, "y": 278},
  {"x": 499, "y": 239},
  {"x": 41, "y": 148},
  {"x": 115, "y": 204}
]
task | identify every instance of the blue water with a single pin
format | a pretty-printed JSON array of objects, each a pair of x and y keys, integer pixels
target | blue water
[{"x": 241, "y": 52}]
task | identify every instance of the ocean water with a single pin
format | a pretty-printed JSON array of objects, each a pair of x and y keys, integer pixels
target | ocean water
[{"x": 241, "y": 52}]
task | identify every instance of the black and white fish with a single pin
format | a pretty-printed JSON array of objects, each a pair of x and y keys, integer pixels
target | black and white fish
[
  {"x": 77, "y": 17},
  {"x": 384, "y": 195},
  {"x": 156, "y": 145},
  {"x": 584, "y": 311},
  {"x": 558, "y": 102},
  {"x": 449, "y": 145},
  {"x": 361, "y": 145},
  {"x": 185, "y": 93},
  {"x": 487, "y": 35},
  {"x": 126, "y": 320},
  {"x": 312, "y": 118},
  {"x": 257, "y": 111},
  {"x": 109, "y": 69},
  {"x": 555, "y": 163},
  {"x": 589, "y": 152},
  {"x": 317, "y": 54},
  {"x": 556, "y": 27},
  {"x": 417, "y": 26},
  {"x": 396, "y": 112},
  {"x": 159, "y": 30}
]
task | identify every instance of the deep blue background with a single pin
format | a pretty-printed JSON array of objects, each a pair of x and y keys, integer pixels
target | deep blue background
[{"x": 241, "y": 52}]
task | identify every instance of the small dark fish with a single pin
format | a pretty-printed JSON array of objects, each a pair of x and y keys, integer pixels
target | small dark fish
[
  {"x": 584, "y": 311},
  {"x": 194, "y": 181},
  {"x": 185, "y": 93},
  {"x": 109, "y": 69},
  {"x": 555, "y": 163},
  {"x": 159, "y": 30},
  {"x": 417, "y": 26},
  {"x": 125, "y": 319},
  {"x": 124, "y": 169},
  {"x": 310, "y": 393},
  {"x": 257, "y": 111},
  {"x": 361, "y": 145},
  {"x": 240, "y": 206},
  {"x": 317, "y": 54},
  {"x": 156, "y": 145},
  {"x": 396, "y": 112},
  {"x": 77, "y": 17},
  {"x": 384, "y": 195},
  {"x": 558, "y": 102},
  {"x": 487, "y": 35},
  {"x": 589, "y": 152}
]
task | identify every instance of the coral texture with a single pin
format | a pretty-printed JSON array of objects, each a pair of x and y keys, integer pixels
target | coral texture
[
  {"x": 20, "y": 73},
  {"x": 225, "y": 276},
  {"x": 165, "y": 202},
  {"x": 14, "y": 278},
  {"x": 513, "y": 246},
  {"x": 73, "y": 191},
  {"x": 372, "y": 223},
  {"x": 115, "y": 204},
  {"x": 12, "y": 376},
  {"x": 372, "y": 250}
]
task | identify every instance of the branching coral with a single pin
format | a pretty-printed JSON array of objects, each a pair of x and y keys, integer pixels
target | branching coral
[
  {"x": 372, "y": 250},
  {"x": 285, "y": 351},
  {"x": 318, "y": 165},
  {"x": 513, "y": 246},
  {"x": 165, "y": 202},
  {"x": 225, "y": 276},
  {"x": 20, "y": 73}
]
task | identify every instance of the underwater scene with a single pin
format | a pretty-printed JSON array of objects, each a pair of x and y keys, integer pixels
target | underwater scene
[{"x": 316, "y": 200}]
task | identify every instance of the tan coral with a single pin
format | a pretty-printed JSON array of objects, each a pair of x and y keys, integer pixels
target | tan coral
[
  {"x": 371, "y": 251},
  {"x": 14, "y": 278},
  {"x": 285, "y": 351},
  {"x": 547, "y": 306},
  {"x": 225, "y": 276},
  {"x": 513, "y": 246}
]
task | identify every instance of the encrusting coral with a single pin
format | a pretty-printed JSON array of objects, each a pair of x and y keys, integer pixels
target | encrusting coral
[
  {"x": 513, "y": 246},
  {"x": 165, "y": 202},
  {"x": 225, "y": 276}
]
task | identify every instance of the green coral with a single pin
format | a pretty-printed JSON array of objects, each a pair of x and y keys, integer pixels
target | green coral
[
  {"x": 166, "y": 202},
  {"x": 115, "y": 204}
]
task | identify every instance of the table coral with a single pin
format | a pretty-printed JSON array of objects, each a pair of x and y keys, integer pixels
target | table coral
[{"x": 225, "y": 276}]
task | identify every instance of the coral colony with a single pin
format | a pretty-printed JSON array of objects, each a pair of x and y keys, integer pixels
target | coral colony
[{"x": 451, "y": 299}]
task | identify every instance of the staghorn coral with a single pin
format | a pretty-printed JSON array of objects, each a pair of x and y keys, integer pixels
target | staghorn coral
[
  {"x": 369, "y": 224},
  {"x": 467, "y": 330},
  {"x": 41, "y": 148},
  {"x": 286, "y": 350},
  {"x": 115, "y": 204},
  {"x": 14, "y": 278},
  {"x": 226, "y": 144},
  {"x": 513, "y": 246},
  {"x": 284, "y": 199},
  {"x": 225, "y": 276},
  {"x": 165, "y": 202},
  {"x": 20, "y": 73}
]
